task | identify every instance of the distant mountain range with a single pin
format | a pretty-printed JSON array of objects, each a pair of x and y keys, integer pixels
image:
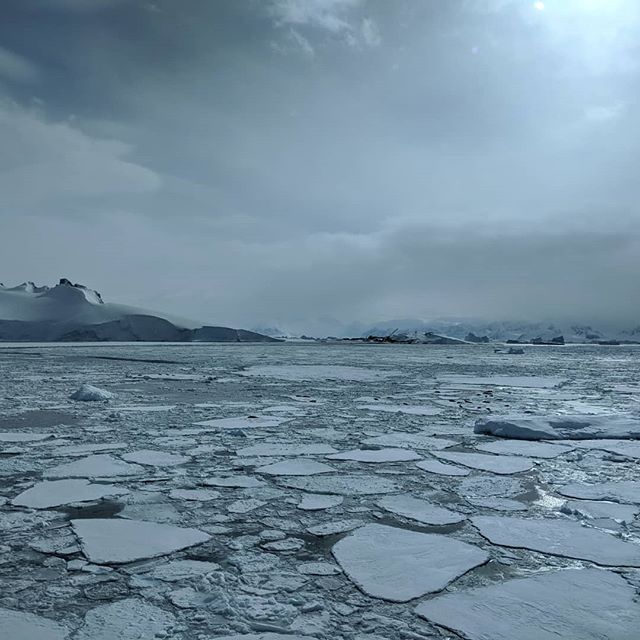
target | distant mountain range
[{"x": 74, "y": 313}]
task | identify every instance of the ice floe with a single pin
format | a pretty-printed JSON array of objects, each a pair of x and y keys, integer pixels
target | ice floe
[
  {"x": 585, "y": 604},
  {"x": 559, "y": 537},
  {"x": 524, "y": 448},
  {"x": 592, "y": 509},
  {"x": 155, "y": 458},
  {"x": 415, "y": 410},
  {"x": 18, "y": 436},
  {"x": 627, "y": 491},
  {"x": 89, "y": 393},
  {"x": 319, "y": 502},
  {"x": 440, "y": 468},
  {"x": 182, "y": 570},
  {"x": 502, "y": 465},
  {"x": 409, "y": 441},
  {"x": 319, "y": 372},
  {"x": 242, "y": 422},
  {"x": 375, "y": 455},
  {"x": 46, "y": 495},
  {"x": 526, "y": 382},
  {"x": 115, "y": 541},
  {"x": 197, "y": 495},
  {"x": 399, "y": 565},
  {"x": 299, "y": 467},
  {"x": 354, "y": 485},
  {"x": 233, "y": 482},
  {"x": 129, "y": 619},
  {"x": 419, "y": 510},
  {"x": 98, "y": 466},
  {"x": 21, "y": 625},
  {"x": 567, "y": 427},
  {"x": 284, "y": 449}
]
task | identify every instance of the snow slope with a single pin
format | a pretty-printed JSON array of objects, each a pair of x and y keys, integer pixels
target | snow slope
[{"x": 73, "y": 312}]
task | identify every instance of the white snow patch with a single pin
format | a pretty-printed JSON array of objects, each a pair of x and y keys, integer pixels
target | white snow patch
[
  {"x": 45, "y": 495},
  {"x": 89, "y": 393}
]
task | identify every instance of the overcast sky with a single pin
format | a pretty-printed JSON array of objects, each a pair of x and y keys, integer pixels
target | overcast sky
[{"x": 295, "y": 162}]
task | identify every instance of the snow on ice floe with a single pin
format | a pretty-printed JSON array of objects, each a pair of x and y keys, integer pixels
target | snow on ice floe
[
  {"x": 234, "y": 482},
  {"x": 155, "y": 458},
  {"x": 567, "y": 427},
  {"x": 182, "y": 570},
  {"x": 626, "y": 491},
  {"x": 375, "y": 455},
  {"x": 587, "y": 604},
  {"x": 348, "y": 485},
  {"x": 409, "y": 441},
  {"x": 18, "y": 436},
  {"x": 440, "y": 468},
  {"x": 416, "y": 410},
  {"x": 525, "y": 448},
  {"x": 304, "y": 372},
  {"x": 502, "y": 465},
  {"x": 98, "y": 466},
  {"x": 244, "y": 422},
  {"x": 89, "y": 393},
  {"x": 419, "y": 510},
  {"x": 527, "y": 382},
  {"x": 301, "y": 467},
  {"x": 559, "y": 537},
  {"x": 197, "y": 495},
  {"x": 498, "y": 504},
  {"x": 83, "y": 449},
  {"x": 267, "y": 449},
  {"x": 113, "y": 541},
  {"x": 129, "y": 619},
  {"x": 628, "y": 448},
  {"x": 399, "y": 565},
  {"x": 592, "y": 509},
  {"x": 319, "y": 502},
  {"x": 20, "y": 625},
  {"x": 46, "y": 495}
]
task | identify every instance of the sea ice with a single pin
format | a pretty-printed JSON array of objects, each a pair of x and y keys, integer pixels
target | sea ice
[
  {"x": 502, "y": 465},
  {"x": 594, "y": 509},
  {"x": 267, "y": 449},
  {"x": 526, "y": 382},
  {"x": 419, "y": 510},
  {"x": 106, "y": 541},
  {"x": 375, "y": 455},
  {"x": 20, "y": 625},
  {"x": 17, "y": 436},
  {"x": 294, "y": 373},
  {"x": 83, "y": 449},
  {"x": 587, "y": 604},
  {"x": 234, "y": 482},
  {"x": 245, "y": 422},
  {"x": 299, "y": 467},
  {"x": 435, "y": 466},
  {"x": 627, "y": 491},
  {"x": 565, "y": 538},
  {"x": 155, "y": 458},
  {"x": 199, "y": 495},
  {"x": 318, "y": 569},
  {"x": 409, "y": 441},
  {"x": 417, "y": 410},
  {"x": 399, "y": 565},
  {"x": 559, "y": 427},
  {"x": 336, "y": 526},
  {"x": 89, "y": 393},
  {"x": 354, "y": 485},
  {"x": 313, "y": 502},
  {"x": 245, "y": 505},
  {"x": 45, "y": 495},
  {"x": 182, "y": 570},
  {"x": 98, "y": 466},
  {"x": 129, "y": 619},
  {"x": 498, "y": 504},
  {"x": 524, "y": 448}
]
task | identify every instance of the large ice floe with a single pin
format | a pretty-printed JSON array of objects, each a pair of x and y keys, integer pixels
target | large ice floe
[
  {"x": 97, "y": 466},
  {"x": 582, "y": 427},
  {"x": 46, "y": 495},
  {"x": 585, "y": 604},
  {"x": 558, "y": 537},
  {"x": 627, "y": 491},
  {"x": 399, "y": 565},
  {"x": 419, "y": 510},
  {"x": 112, "y": 541},
  {"x": 21, "y": 625},
  {"x": 502, "y": 465}
]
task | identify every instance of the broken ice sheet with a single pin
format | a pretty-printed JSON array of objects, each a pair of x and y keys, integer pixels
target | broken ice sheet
[
  {"x": 591, "y": 509},
  {"x": 319, "y": 372},
  {"x": 348, "y": 485},
  {"x": 300, "y": 467},
  {"x": 21, "y": 625},
  {"x": 626, "y": 491},
  {"x": 97, "y": 466},
  {"x": 46, "y": 495},
  {"x": 587, "y": 604},
  {"x": 375, "y": 455},
  {"x": 502, "y": 465},
  {"x": 437, "y": 467},
  {"x": 419, "y": 510},
  {"x": 113, "y": 541},
  {"x": 284, "y": 449},
  {"x": 182, "y": 570},
  {"x": 409, "y": 441},
  {"x": 155, "y": 458},
  {"x": 197, "y": 495},
  {"x": 558, "y": 537},
  {"x": 17, "y": 436},
  {"x": 416, "y": 410},
  {"x": 319, "y": 502},
  {"x": 234, "y": 482},
  {"x": 248, "y": 422},
  {"x": 527, "y": 382},
  {"x": 524, "y": 448},
  {"x": 399, "y": 565}
]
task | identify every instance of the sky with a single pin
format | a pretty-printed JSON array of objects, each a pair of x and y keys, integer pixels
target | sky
[{"x": 311, "y": 163}]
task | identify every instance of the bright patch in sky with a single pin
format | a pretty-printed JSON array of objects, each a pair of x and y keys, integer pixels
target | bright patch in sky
[{"x": 539, "y": 6}]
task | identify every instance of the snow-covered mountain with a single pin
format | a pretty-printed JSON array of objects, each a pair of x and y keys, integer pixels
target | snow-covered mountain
[
  {"x": 500, "y": 331},
  {"x": 73, "y": 312}
]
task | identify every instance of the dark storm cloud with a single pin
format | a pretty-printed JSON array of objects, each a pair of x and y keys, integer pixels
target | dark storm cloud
[{"x": 289, "y": 160}]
